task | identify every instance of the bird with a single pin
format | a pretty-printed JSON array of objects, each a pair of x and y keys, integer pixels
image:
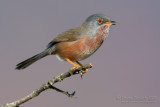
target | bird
[{"x": 75, "y": 44}]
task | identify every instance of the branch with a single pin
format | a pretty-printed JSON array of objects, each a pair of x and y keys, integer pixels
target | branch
[{"x": 49, "y": 85}]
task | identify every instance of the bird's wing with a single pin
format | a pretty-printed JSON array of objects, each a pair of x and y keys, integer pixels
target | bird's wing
[{"x": 68, "y": 36}]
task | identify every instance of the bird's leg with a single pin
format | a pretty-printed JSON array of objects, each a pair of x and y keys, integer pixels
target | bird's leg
[
  {"x": 75, "y": 65},
  {"x": 79, "y": 63},
  {"x": 82, "y": 71},
  {"x": 86, "y": 70}
]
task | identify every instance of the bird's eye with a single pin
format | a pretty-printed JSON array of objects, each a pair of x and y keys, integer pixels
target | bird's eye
[{"x": 99, "y": 21}]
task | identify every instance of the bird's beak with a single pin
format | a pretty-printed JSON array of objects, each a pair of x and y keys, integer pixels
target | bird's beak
[{"x": 110, "y": 23}]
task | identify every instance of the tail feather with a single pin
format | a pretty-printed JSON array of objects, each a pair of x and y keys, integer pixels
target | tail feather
[{"x": 31, "y": 60}]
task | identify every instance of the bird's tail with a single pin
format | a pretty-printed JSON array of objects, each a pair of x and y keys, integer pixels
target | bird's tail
[{"x": 31, "y": 60}]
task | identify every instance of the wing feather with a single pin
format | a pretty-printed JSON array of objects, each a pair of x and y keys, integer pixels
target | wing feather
[{"x": 68, "y": 36}]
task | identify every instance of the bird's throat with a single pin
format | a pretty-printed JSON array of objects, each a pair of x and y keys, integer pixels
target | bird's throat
[{"x": 102, "y": 32}]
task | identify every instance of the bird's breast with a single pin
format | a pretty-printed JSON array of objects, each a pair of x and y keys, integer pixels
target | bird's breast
[
  {"x": 96, "y": 41},
  {"x": 81, "y": 48}
]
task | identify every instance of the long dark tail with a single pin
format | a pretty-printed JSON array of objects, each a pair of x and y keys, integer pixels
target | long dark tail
[{"x": 31, "y": 60}]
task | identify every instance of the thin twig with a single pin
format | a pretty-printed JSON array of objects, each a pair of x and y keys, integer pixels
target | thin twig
[
  {"x": 49, "y": 85},
  {"x": 63, "y": 92}
]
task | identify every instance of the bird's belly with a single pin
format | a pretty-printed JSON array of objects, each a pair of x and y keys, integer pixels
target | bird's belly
[{"x": 75, "y": 51}]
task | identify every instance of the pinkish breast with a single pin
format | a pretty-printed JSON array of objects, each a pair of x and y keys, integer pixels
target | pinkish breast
[
  {"x": 98, "y": 39},
  {"x": 92, "y": 44},
  {"x": 81, "y": 49}
]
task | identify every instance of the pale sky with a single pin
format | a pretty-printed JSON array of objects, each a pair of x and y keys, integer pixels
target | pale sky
[{"x": 127, "y": 65}]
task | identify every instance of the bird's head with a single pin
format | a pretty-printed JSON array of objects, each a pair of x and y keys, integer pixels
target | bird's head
[{"x": 97, "y": 22}]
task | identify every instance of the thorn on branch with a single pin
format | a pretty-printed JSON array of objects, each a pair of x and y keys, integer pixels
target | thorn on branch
[{"x": 61, "y": 91}]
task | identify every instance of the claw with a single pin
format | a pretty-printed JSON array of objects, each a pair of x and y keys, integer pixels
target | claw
[
  {"x": 82, "y": 72},
  {"x": 76, "y": 67}
]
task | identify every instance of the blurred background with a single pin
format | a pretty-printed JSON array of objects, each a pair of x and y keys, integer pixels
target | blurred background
[{"x": 126, "y": 68}]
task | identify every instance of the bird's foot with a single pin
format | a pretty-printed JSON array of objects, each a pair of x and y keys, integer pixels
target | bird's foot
[
  {"x": 75, "y": 67},
  {"x": 83, "y": 71}
]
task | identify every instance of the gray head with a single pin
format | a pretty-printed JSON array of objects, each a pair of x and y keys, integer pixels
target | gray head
[{"x": 95, "y": 21}]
